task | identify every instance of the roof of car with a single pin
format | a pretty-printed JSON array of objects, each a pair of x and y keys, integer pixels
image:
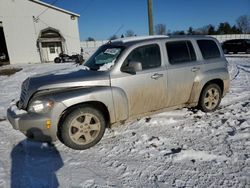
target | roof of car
[{"x": 137, "y": 39}]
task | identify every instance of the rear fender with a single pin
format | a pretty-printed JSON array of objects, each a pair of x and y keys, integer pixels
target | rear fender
[{"x": 202, "y": 80}]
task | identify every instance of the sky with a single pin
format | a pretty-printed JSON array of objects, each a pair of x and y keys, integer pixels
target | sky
[{"x": 101, "y": 19}]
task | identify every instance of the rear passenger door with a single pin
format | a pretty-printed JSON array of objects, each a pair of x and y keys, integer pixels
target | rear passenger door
[{"x": 182, "y": 69}]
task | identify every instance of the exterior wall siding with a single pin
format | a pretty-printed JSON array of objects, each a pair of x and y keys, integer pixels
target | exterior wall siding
[{"x": 22, "y": 30}]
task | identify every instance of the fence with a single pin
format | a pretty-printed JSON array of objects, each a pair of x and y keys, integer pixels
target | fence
[
  {"x": 222, "y": 38},
  {"x": 90, "y": 46}
]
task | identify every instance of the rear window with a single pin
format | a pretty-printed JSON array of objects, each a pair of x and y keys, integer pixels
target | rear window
[
  {"x": 180, "y": 52},
  {"x": 209, "y": 49}
]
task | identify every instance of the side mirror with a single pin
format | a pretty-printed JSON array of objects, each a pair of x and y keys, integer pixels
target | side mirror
[{"x": 133, "y": 67}]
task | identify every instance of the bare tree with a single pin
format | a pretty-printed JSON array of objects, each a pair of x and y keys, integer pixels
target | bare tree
[
  {"x": 190, "y": 31},
  {"x": 113, "y": 37},
  {"x": 243, "y": 23},
  {"x": 90, "y": 39},
  {"x": 130, "y": 33},
  {"x": 160, "y": 29}
]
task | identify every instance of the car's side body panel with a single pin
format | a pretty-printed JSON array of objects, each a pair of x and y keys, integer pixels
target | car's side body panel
[{"x": 126, "y": 96}]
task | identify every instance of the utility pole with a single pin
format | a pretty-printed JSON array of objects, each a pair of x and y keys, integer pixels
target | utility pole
[{"x": 150, "y": 18}]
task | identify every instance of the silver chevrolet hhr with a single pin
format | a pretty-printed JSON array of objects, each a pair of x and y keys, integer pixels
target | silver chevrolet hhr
[{"x": 123, "y": 80}]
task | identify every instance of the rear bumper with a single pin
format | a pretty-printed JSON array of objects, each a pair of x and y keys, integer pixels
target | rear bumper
[{"x": 31, "y": 124}]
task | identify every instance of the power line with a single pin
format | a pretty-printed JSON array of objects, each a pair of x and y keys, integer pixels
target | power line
[
  {"x": 87, "y": 6},
  {"x": 119, "y": 29},
  {"x": 54, "y": 2}
]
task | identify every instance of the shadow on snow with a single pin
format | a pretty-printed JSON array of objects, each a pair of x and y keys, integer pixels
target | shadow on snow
[{"x": 34, "y": 164}]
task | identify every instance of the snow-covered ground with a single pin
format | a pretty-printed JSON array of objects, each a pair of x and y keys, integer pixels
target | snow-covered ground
[{"x": 181, "y": 148}]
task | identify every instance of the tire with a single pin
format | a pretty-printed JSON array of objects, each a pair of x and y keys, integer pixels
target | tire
[
  {"x": 210, "y": 98},
  {"x": 83, "y": 128},
  {"x": 57, "y": 60}
]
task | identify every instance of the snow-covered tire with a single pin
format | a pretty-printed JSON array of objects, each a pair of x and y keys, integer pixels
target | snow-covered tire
[
  {"x": 210, "y": 98},
  {"x": 83, "y": 128}
]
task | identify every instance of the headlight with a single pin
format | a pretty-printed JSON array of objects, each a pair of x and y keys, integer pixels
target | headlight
[{"x": 40, "y": 106}]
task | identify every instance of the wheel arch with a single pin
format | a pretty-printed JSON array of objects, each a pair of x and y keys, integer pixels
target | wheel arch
[
  {"x": 94, "y": 104},
  {"x": 216, "y": 81}
]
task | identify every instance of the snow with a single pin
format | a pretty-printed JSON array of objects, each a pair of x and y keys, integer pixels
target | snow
[
  {"x": 17, "y": 111},
  {"x": 181, "y": 148},
  {"x": 106, "y": 66}
]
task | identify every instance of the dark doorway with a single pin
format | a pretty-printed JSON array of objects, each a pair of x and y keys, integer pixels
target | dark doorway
[
  {"x": 51, "y": 44},
  {"x": 4, "y": 56}
]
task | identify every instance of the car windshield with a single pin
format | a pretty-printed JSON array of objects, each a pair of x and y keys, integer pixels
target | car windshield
[{"x": 104, "y": 58}]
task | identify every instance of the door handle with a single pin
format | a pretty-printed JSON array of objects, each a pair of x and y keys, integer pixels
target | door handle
[
  {"x": 156, "y": 76},
  {"x": 194, "y": 69}
]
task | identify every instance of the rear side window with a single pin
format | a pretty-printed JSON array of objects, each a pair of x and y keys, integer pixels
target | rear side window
[
  {"x": 209, "y": 49},
  {"x": 149, "y": 56},
  {"x": 180, "y": 52}
]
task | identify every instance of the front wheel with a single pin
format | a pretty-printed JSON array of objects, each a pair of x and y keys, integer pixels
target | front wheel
[
  {"x": 210, "y": 98},
  {"x": 83, "y": 128}
]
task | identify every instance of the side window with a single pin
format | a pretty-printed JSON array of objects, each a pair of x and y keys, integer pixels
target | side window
[
  {"x": 149, "y": 56},
  {"x": 209, "y": 49},
  {"x": 180, "y": 52}
]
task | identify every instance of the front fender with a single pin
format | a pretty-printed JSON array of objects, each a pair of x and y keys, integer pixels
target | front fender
[
  {"x": 120, "y": 104},
  {"x": 101, "y": 94}
]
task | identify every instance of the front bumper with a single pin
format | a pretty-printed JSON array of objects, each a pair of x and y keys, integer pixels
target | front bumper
[{"x": 31, "y": 124}]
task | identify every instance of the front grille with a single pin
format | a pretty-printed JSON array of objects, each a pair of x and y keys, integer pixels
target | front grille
[{"x": 24, "y": 92}]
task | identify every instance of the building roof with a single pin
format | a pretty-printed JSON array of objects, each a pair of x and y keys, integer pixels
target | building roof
[{"x": 55, "y": 8}]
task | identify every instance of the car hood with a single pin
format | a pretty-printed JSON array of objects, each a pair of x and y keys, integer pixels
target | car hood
[
  {"x": 62, "y": 79},
  {"x": 69, "y": 78}
]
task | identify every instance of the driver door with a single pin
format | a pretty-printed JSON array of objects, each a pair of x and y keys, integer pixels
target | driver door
[{"x": 145, "y": 90}]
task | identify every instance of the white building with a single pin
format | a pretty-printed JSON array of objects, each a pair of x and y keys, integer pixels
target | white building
[{"x": 32, "y": 31}]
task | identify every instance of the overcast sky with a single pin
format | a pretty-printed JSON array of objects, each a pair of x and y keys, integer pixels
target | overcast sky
[{"x": 102, "y": 18}]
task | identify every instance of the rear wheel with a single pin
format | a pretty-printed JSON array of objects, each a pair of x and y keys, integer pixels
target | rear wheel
[
  {"x": 57, "y": 60},
  {"x": 83, "y": 128},
  {"x": 210, "y": 98}
]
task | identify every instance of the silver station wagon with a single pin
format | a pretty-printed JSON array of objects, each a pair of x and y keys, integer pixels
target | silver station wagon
[{"x": 123, "y": 80}]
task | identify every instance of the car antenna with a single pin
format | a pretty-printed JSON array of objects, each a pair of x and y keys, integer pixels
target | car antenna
[{"x": 117, "y": 31}]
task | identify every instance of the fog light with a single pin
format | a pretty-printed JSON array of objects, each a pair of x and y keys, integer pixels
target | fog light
[{"x": 48, "y": 124}]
